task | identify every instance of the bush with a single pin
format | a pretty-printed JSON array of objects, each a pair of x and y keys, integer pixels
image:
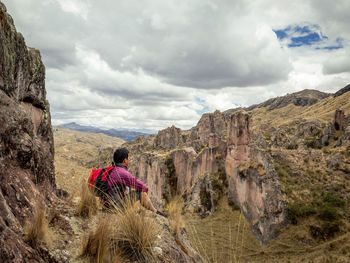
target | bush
[
  {"x": 135, "y": 235},
  {"x": 310, "y": 142},
  {"x": 330, "y": 228},
  {"x": 88, "y": 203},
  {"x": 299, "y": 210},
  {"x": 124, "y": 235},
  {"x": 328, "y": 213},
  {"x": 281, "y": 171},
  {"x": 36, "y": 229},
  {"x": 334, "y": 200},
  {"x": 174, "y": 210},
  {"x": 96, "y": 244},
  {"x": 267, "y": 136}
]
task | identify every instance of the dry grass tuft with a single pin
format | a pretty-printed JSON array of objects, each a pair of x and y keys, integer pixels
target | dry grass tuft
[
  {"x": 124, "y": 235},
  {"x": 96, "y": 244},
  {"x": 177, "y": 222},
  {"x": 135, "y": 234},
  {"x": 36, "y": 229},
  {"x": 88, "y": 205}
]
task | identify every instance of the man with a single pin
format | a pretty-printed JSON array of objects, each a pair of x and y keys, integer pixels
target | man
[{"x": 120, "y": 177}]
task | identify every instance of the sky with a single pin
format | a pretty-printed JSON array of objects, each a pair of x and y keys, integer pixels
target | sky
[{"x": 153, "y": 64}]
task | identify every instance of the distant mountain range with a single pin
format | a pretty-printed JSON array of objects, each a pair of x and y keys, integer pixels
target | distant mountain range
[{"x": 126, "y": 135}]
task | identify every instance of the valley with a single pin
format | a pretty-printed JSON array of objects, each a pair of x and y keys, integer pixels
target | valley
[{"x": 308, "y": 155}]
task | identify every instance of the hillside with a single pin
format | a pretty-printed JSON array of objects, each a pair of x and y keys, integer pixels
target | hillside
[
  {"x": 75, "y": 152},
  {"x": 302, "y": 98},
  {"x": 323, "y": 110}
]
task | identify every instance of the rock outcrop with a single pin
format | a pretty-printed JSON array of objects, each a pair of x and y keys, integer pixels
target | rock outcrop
[
  {"x": 169, "y": 138},
  {"x": 342, "y": 91},
  {"x": 211, "y": 125},
  {"x": 218, "y": 150},
  {"x": 339, "y": 119},
  {"x": 253, "y": 183},
  {"x": 26, "y": 141}
]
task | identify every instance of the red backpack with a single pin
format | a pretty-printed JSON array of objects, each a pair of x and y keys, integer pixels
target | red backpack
[{"x": 98, "y": 181}]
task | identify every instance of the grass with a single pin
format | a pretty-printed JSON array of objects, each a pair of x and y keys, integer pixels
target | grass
[
  {"x": 96, "y": 244},
  {"x": 177, "y": 223},
  {"x": 323, "y": 111},
  {"x": 123, "y": 235},
  {"x": 222, "y": 237},
  {"x": 88, "y": 204},
  {"x": 36, "y": 229},
  {"x": 227, "y": 237}
]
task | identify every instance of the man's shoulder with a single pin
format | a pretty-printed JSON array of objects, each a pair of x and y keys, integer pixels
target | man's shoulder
[{"x": 122, "y": 169}]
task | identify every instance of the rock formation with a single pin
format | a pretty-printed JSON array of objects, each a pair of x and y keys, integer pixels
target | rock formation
[
  {"x": 216, "y": 150},
  {"x": 253, "y": 184},
  {"x": 339, "y": 120},
  {"x": 169, "y": 138},
  {"x": 342, "y": 91},
  {"x": 26, "y": 145},
  {"x": 211, "y": 125}
]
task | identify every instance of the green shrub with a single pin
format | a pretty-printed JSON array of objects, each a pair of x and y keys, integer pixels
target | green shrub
[
  {"x": 330, "y": 228},
  {"x": 334, "y": 200},
  {"x": 298, "y": 210},
  {"x": 328, "y": 213},
  {"x": 281, "y": 170},
  {"x": 205, "y": 198}
]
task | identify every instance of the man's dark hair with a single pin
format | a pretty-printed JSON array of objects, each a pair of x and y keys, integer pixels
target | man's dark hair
[{"x": 120, "y": 154}]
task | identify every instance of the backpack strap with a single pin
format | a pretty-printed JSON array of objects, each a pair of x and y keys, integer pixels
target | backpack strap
[{"x": 106, "y": 173}]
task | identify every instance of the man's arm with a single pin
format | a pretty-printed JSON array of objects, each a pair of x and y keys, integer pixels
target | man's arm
[{"x": 124, "y": 177}]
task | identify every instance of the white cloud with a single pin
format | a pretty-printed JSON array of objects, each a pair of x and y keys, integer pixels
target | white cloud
[
  {"x": 76, "y": 7},
  {"x": 134, "y": 64}
]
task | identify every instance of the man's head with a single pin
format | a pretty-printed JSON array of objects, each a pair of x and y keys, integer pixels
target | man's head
[{"x": 121, "y": 155}]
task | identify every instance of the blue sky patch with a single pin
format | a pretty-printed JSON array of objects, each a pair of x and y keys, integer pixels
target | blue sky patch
[
  {"x": 307, "y": 35},
  {"x": 205, "y": 108}
]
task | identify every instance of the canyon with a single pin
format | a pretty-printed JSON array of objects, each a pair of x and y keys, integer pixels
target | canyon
[{"x": 235, "y": 154}]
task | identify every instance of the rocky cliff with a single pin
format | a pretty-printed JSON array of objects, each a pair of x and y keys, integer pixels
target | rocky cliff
[
  {"x": 217, "y": 154},
  {"x": 253, "y": 182},
  {"x": 249, "y": 155},
  {"x": 26, "y": 142},
  {"x": 27, "y": 174}
]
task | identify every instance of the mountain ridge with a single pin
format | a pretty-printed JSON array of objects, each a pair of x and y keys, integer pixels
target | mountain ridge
[{"x": 126, "y": 135}]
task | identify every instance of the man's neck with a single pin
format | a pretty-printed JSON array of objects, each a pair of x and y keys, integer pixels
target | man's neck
[{"x": 121, "y": 165}]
